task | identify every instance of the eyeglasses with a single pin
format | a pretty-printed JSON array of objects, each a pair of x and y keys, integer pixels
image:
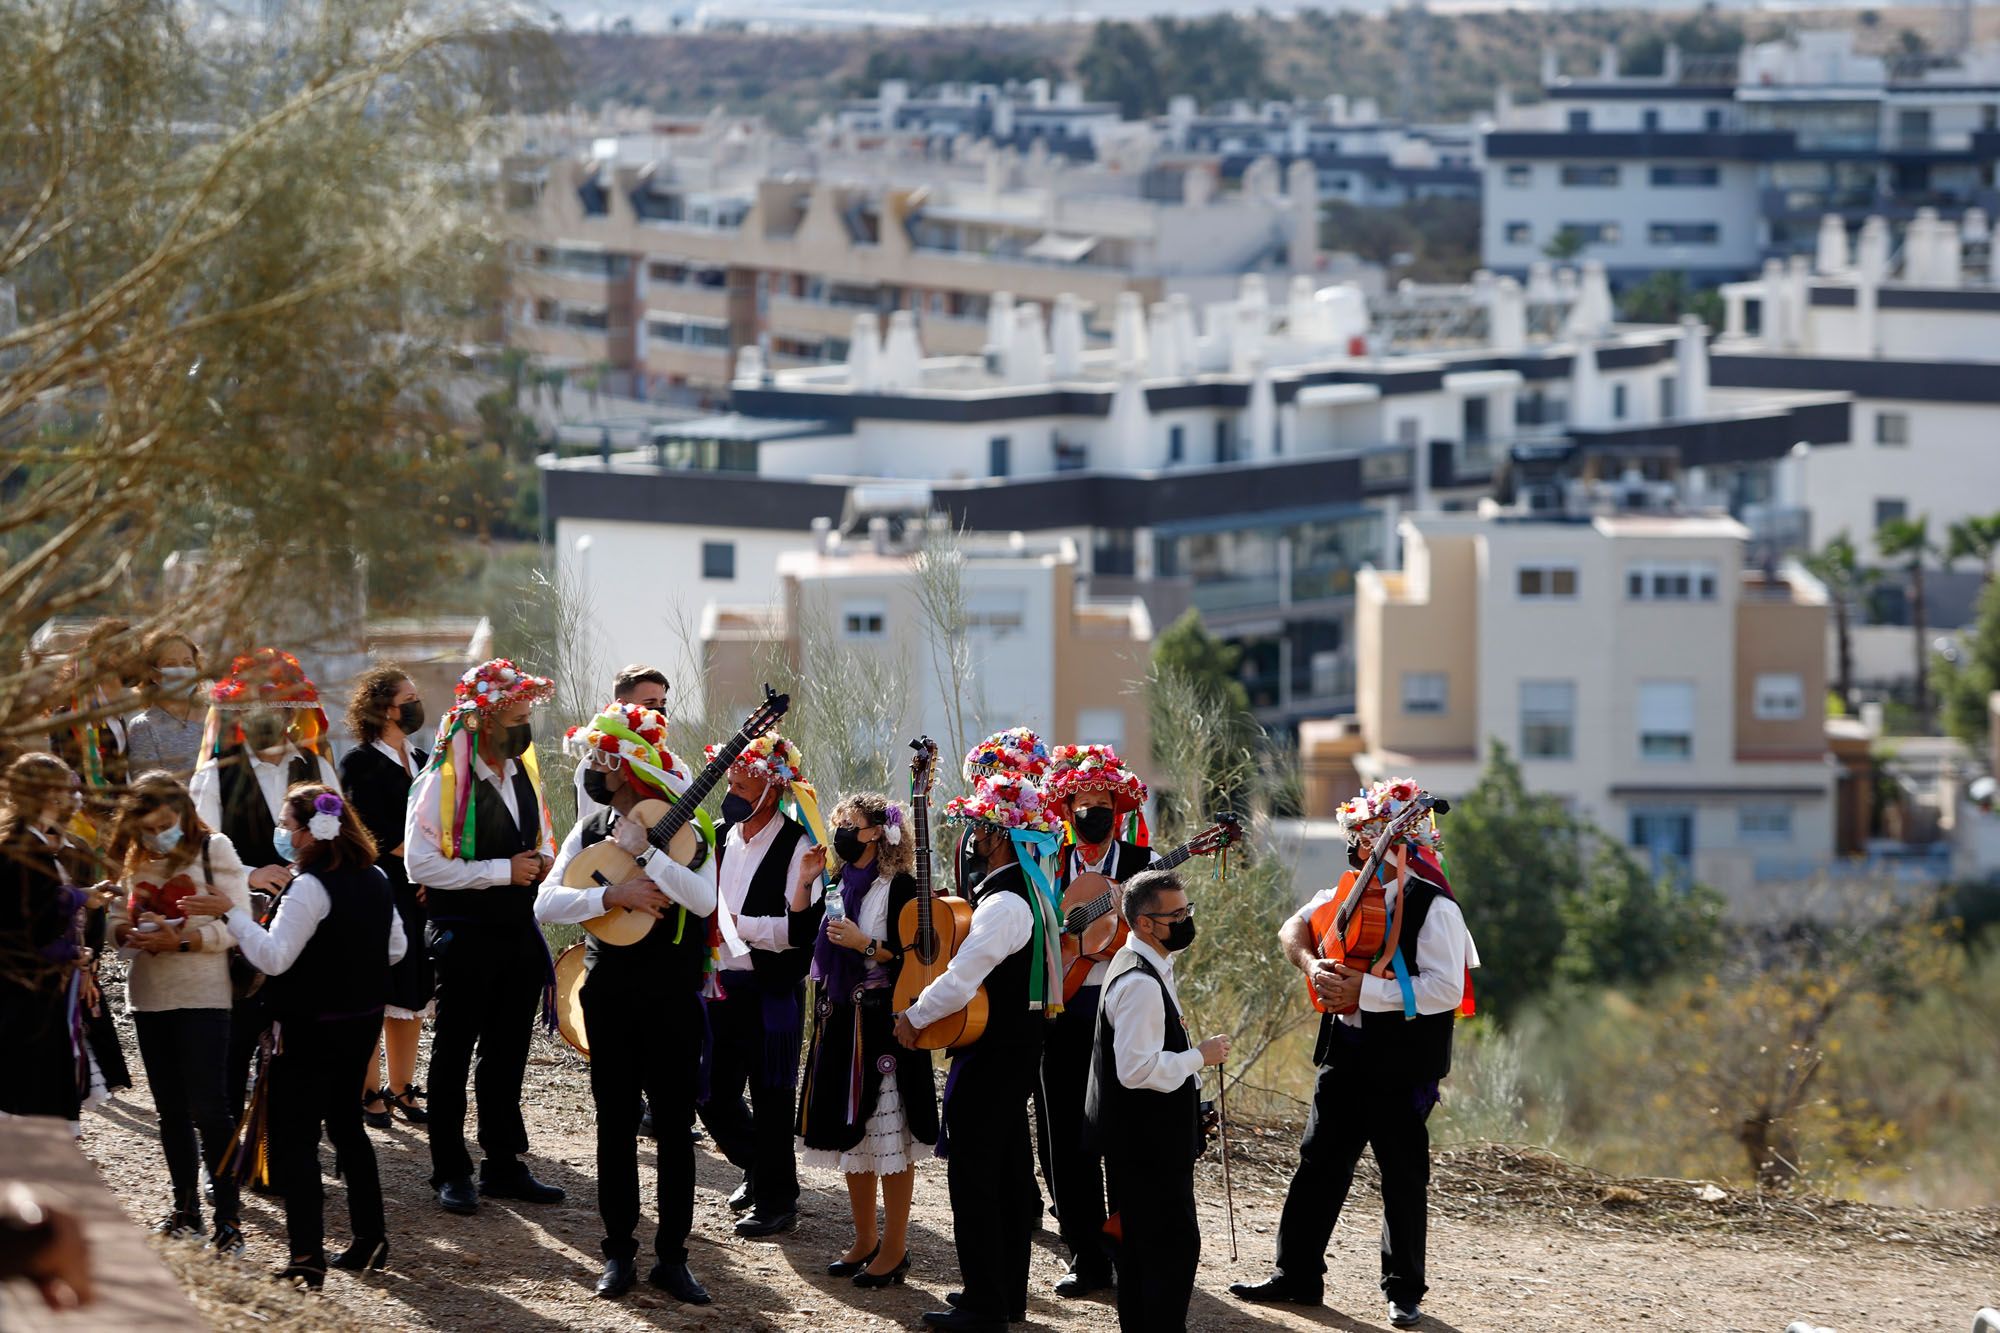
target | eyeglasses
[{"x": 1171, "y": 918}]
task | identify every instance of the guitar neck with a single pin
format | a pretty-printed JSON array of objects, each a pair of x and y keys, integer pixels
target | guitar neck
[
  {"x": 920, "y": 804},
  {"x": 662, "y": 833}
]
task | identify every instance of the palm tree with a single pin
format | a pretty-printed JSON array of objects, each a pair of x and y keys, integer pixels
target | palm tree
[
  {"x": 1973, "y": 539},
  {"x": 1910, "y": 539},
  {"x": 1839, "y": 567}
]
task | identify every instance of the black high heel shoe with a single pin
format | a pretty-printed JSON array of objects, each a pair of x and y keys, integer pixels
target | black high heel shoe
[
  {"x": 375, "y": 1119},
  {"x": 893, "y": 1278},
  {"x": 404, "y": 1104},
  {"x": 849, "y": 1267},
  {"x": 373, "y": 1254},
  {"x": 310, "y": 1270}
]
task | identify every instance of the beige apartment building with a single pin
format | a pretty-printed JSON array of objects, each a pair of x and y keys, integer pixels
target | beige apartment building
[
  {"x": 1631, "y": 663},
  {"x": 658, "y": 256}
]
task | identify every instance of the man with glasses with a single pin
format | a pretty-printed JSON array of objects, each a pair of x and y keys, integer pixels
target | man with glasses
[{"x": 1143, "y": 1105}]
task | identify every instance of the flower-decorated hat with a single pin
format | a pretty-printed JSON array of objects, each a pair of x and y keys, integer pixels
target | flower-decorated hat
[
  {"x": 267, "y": 678},
  {"x": 633, "y": 740},
  {"x": 1016, "y": 750},
  {"x": 491, "y": 686},
  {"x": 1081, "y": 768},
  {"x": 1005, "y": 800},
  {"x": 1368, "y": 813},
  {"x": 769, "y": 756}
]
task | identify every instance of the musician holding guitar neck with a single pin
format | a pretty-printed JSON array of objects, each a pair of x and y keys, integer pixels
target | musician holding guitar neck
[
  {"x": 1386, "y": 956},
  {"x": 642, "y": 1001}
]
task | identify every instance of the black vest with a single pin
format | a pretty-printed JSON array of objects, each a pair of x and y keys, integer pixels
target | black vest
[
  {"x": 1405, "y": 1050},
  {"x": 1009, "y": 1021},
  {"x": 1163, "y": 1127},
  {"x": 657, "y": 962},
  {"x": 495, "y": 837},
  {"x": 769, "y": 889},
  {"x": 343, "y": 972},
  {"x": 246, "y": 815}
]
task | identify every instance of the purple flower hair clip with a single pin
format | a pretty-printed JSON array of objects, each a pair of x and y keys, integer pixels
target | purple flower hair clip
[
  {"x": 325, "y": 823},
  {"x": 892, "y": 825}
]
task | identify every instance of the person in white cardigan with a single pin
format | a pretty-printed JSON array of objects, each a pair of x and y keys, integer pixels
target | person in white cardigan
[{"x": 178, "y": 992}]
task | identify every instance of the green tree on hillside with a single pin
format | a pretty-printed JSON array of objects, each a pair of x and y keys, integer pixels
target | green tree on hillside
[
  {"x": 1968, "y": 678},
  {"x": 1119, "y": 66},
  {"x": 1215, "y": 59}
]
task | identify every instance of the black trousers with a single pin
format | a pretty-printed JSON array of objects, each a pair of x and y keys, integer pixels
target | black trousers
[
  {"x": 643, "y": 1039},
  {"x": 1075, "y": 1174},
  {"x": 489, "y": 991},
  {"x": 1156, "y": 1210},
  {"x": 755, "y": 1135},
  {"x": 313, "y": 1080},
  {"x": 990, "y": 1173},
  {"x": 185, "y": 1052},
  {"x": 248, "y": 1021},
  {"x": 1350, "y": 1112}
]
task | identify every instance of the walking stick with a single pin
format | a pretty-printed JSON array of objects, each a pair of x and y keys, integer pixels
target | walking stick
[{"x": 1222, "y": 1126}]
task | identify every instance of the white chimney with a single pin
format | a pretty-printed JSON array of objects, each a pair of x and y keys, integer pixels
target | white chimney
[
  {"x": 1128, "y": 331},
  {"x": 878, "y": 535},
  {"x": 1028, "y": 351},
  {"x": 999, "y": 323},
  {"x": 1187, "y": 342},
  {"x": 1798, "y": 297},
  {"x": 1777, "y": 315},
  {"x": 1831, "y": 257},
  {"x": 749, "y": 365},
  {"x": 1162, "y": 351},
  {"x": 1066, "y": 337},
  {"x": 1302, "y": 312},
  {"x": 822, "y": 531},
  {"x": 1974, "y": 228},
  {"x": 1507, "y": 316},
  {"x": 864, "y": 354},
  {"x": 1586, "y": 388},
  {"x": 1261, "y": 416},
  {"x": 902, "y": 354},
  {"x": 1542, "y": 288},
  {"x": 1871, "y": 254},
  {"x": 1691, "y": 368}
]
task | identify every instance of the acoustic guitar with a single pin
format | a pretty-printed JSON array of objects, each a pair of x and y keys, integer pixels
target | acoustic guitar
[
  {"x": 932, "y": 928},
  {"x": 668, "y": 827},
  {"x": 1368, "y": 939},
  {"x": 1093, "y": 928}
]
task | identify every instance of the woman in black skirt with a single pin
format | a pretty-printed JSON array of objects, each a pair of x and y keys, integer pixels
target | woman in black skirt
[
  {"x": 384, "y": 715},
  {"x": 867, "y": 1101}
]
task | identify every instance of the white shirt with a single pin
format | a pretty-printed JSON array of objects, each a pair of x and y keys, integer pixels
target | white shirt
[
  {"x": 407, "y": 762},
  {"x": 1002, "y": 925},
  {"x": 1444, "y": 951},
  {"x": 1138, "y": 1017},
  {"x": 1078, "y": 866},
  {"x": 300, "y": 911},
  {"x": 272, "y": 779},
  {"x": 741, "y": 934},
  {"x": 423, "y": 833},
  {"x": 556, "y": 903}
]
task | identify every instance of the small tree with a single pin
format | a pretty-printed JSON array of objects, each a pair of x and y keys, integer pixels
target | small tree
[
  {"x": 1838, "y": 567},
  {"x": 1909, "y": 539},
  {"x": 1966, "y": 680},
  {"x": 1565, "y": 244},
  {"x": 1973, "y": 539}
]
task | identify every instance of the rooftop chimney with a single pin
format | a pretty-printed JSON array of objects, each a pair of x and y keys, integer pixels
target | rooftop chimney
[
  {"x": 822, "y": 531},
  {"x": 864, "y": 353},
  {"x": 1691, "y": 366},
  {"x": 902, "y": 354},
  {"x": 878, "y": 534},
  {"x": 1831, "y": 258},
  {"x": 1066, "y": 337},
  {"x": 1128, "y": 336},
  {"x": 1028, "y": 351}
]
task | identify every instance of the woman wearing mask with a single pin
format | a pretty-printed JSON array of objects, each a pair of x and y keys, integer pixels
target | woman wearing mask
[
  {"x": 870, "y": 1135},
  {"x": 327, "y": 954},
  {"x": 384, "y": 715},
  {"x": 166, "y": 734},
  {"x": 178, "y": 991},
  {"x": 41, "y": 940}
]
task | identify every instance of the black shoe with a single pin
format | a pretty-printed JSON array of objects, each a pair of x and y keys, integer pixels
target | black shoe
[
  {"x": 849, "y": 1267},
  {"x": 523, "y": 1186},
  {"x": 619, "y": 1276},
  {"x": 868, "y": 1281},
  {"x": 1405, "y": 1316},
  {"x": 375, "y": 1119},
  {"x": 371, "y": 1254},
  {"x": 679, "y": 1283},
  {"x": 743, "y": 1197},
  {"x": 961, "y": 1319},
  {"x": 1275, "y": 1289},
  {"x": 180, "y": 1222},
  {"x": 228, "y": 1238},
  {"x": 957, "y": 1298},
  {"x": 458, "y": 1196},
  {"x": 405, "y": 1105},
  {"x": 1081, "y": 1282},
  {"x": 646, "y": 1126},
  {"x": 758, "y": 1225},
  {"x": 310, "y": 1270}
]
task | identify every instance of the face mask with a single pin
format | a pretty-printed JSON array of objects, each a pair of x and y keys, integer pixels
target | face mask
[
  {"x": 176, "y": 679},
  {"x": 264, "y": 732},
  {"x": 281, "y": 842},
  {"x": 735, "y": 809},
  {"x": 847, "y": 844},
  {"x": 519, "y": 738},
  {"x": 165, "y": 840},
  {"x": 1094, "y": 825},
  {"x": 410, "y": 716},
  {"x": 1179, "y": 935},
  {"x": 597, "y": 785}
]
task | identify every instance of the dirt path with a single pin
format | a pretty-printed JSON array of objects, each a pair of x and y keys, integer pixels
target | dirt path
[{"x": 1507, "y": 1255}]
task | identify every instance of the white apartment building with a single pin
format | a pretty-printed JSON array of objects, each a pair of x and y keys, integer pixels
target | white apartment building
[
  {"x": 1357, "y": 156},
  {"x": 1713, "y": 166},
  {"x": 1631, "y": 663}
]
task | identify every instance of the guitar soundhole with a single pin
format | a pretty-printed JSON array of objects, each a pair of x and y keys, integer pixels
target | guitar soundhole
[{"x": 927, "y": 946}]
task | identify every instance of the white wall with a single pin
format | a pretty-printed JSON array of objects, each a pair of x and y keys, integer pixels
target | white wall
[
  {"x": 1546, "y": 205},
  {"x": 1949, "y": 470}
]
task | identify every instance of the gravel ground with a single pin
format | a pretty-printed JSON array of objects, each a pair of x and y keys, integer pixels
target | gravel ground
[{"x": 1518, "y": 1241}]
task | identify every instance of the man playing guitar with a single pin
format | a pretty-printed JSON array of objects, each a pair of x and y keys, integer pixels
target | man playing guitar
[{"x": 1089, "y": 787}]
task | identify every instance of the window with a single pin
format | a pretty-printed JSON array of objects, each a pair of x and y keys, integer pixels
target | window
[
  {"x": 1666, "y": 719},
  {"x": 996, "y": 456},
  {"x": 1712, "y": 118},
  {"x": 1779, "y": 696},
  {"x": 1406, "y": 431},
  {"x": 1520, "y": 175},
  {"x": 1545, "y": 582},
  {"x": 718, "y": 560},
  {"x": 1472, "y": 418},
  {"x": 1670, "y": 583},
  {"x": 1594, "y": 233},
  {"x": 1649, "y": 119},
  {"x": 1548, "y": 719},
  {"x": 1520, "y": 233},
  {"x": 996, "y": 611},
  {"x": 1590, "y": 175},
  {"x": 864, "y": 620},
  {"x": 1888, "y": 511},
  {"x": 1424, "y": 692},
  {"x": 1668, "y": 387},
  {"x": 1223, "y": 447},
  {"x": 1764, "y": 823},
  {"x": 1678, "y": 177},
  {"x": 1684, "y": 233},
  {"x": 1579, "y": 122},
  {"x": 1617, "y": 402},
  {"x": 1100, "y": 726},
  {"x": 1176, "y": 444},
  {"x": 1892, "y": 428},
  {"x": 1667, "y": 836}
]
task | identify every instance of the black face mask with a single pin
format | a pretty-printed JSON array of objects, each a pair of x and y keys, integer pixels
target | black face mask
[
  {"x": 597, "y": 785},
  {"x": 847, "y": 844},
  {"x": 735, "y": 809},
  {"x": 1179, "y": 935},
  {"x": 519, "y": 738},
  {"x": 410, "y": 716},
  {"x": 262, "y": 731},
  {"x": 1094, "y": 824}
]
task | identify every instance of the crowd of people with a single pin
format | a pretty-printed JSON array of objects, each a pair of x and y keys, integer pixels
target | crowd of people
[{"x": 291, "y": 924}]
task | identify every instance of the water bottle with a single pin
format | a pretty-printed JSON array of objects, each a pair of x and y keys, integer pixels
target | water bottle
[{"x": 836, "y": 905}]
